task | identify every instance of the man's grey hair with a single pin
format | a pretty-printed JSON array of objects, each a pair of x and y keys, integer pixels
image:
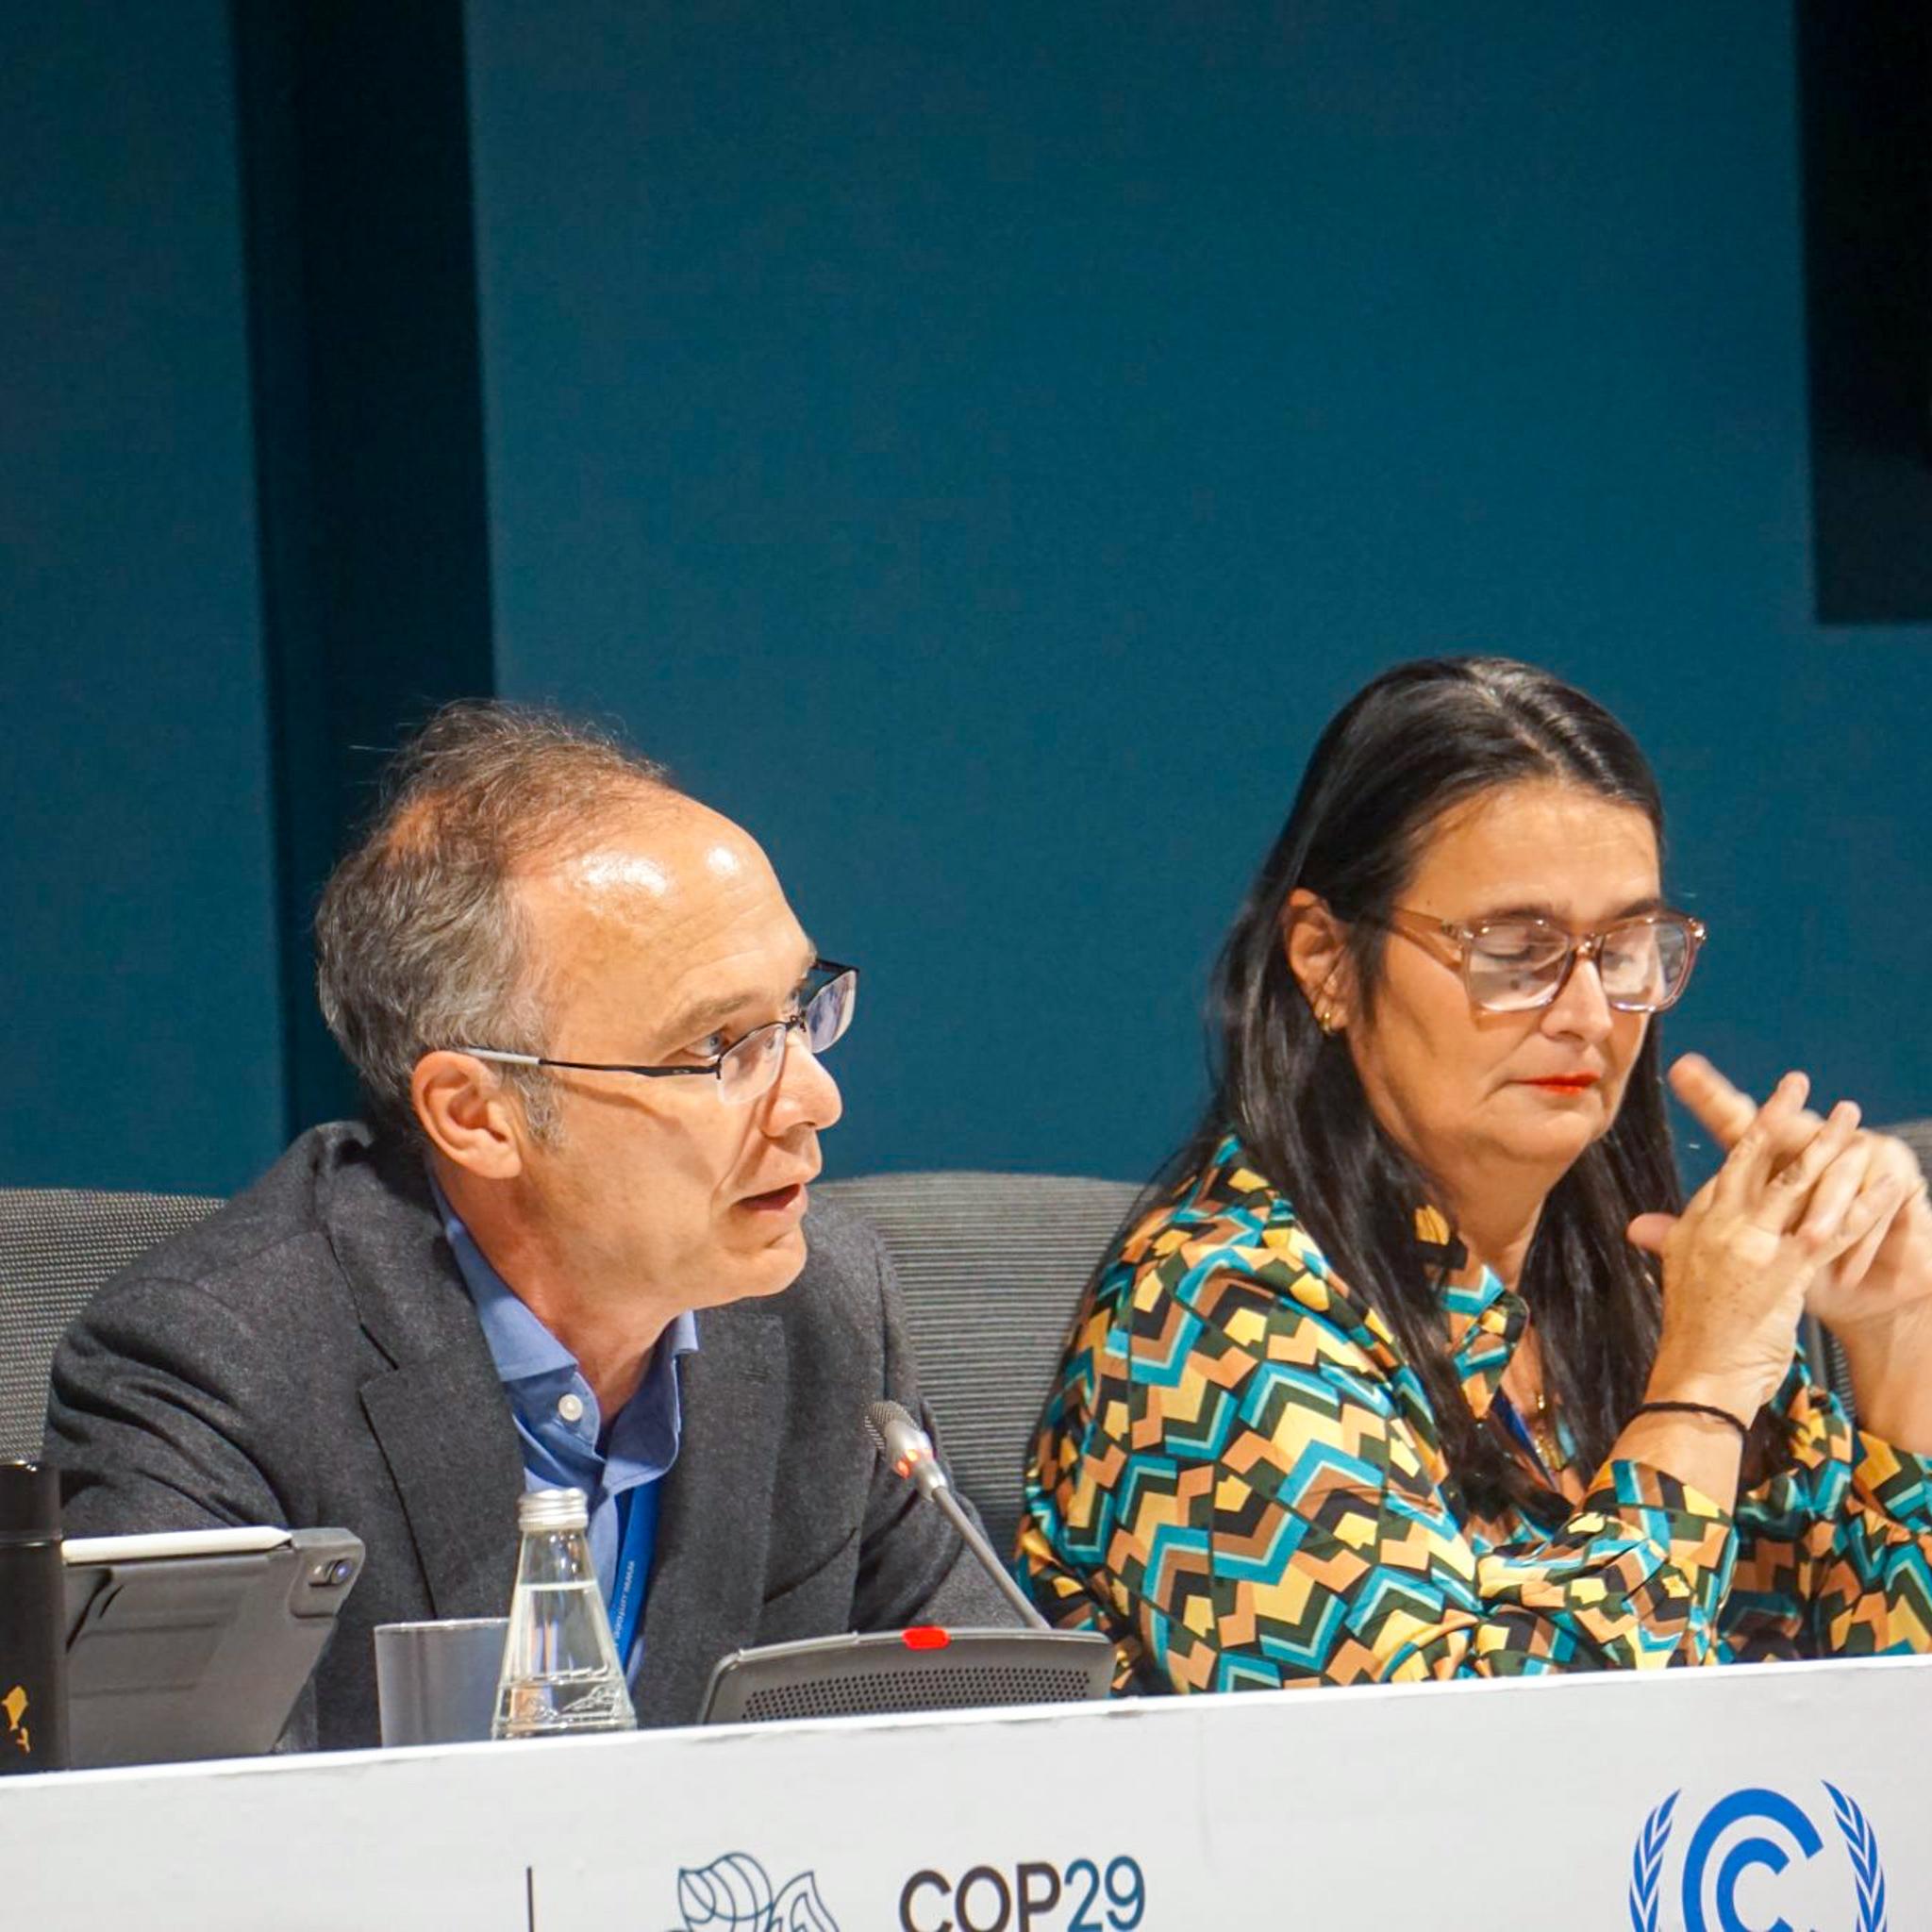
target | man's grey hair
[{"x": 420, "y": 942}]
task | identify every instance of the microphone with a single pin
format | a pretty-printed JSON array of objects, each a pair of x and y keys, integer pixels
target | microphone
[{"x": 908, "y": 1450}]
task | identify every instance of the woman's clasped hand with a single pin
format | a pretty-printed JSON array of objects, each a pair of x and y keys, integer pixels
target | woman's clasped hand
[{"x": 1800, "y": 1209}]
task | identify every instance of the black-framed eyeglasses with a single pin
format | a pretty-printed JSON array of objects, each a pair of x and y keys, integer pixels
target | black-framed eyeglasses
[
  {"x": 1519, "y": 965},
  {"x": 748, "y": 1067}
]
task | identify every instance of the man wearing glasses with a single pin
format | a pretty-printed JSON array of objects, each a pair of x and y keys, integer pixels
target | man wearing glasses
[{"x": 570, "y": 1249}]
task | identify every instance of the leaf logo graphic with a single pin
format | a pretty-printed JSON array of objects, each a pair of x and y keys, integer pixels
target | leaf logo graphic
[
  {"x": 799, "y": 1908},
  {"x": 733, "y": 1894}
]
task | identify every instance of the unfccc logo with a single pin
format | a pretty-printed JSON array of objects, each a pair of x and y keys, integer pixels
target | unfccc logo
[{"x": 1736, "y": 1857}]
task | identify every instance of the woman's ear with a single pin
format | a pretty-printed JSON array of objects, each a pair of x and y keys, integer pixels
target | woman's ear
[{"x": 1316, "y": 946}]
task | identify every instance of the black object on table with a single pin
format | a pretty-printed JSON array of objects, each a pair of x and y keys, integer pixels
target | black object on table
[{"x": 33, "y": 1621}]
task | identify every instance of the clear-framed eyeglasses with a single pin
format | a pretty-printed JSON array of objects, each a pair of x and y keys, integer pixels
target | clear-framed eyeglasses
[
  {"x": 1519, "y": 965},
  {"x": 747, "y": 1068}
]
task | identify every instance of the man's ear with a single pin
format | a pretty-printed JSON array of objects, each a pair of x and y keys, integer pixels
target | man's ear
[
  {"x": 1316, "y": 946},
  {"x": 470, "y": 1116}
]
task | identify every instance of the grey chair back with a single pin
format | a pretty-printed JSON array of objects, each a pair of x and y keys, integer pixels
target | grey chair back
[
  {"x": 992, "y": 1266},
  {"x": 57, "y": 1245}
]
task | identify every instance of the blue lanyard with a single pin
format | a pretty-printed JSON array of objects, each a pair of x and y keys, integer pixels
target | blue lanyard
[
  {"x": 1520, "y": 1429},
  {"x": 637, "y": 1510}
]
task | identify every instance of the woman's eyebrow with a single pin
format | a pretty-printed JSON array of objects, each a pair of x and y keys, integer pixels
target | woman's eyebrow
[{"x": 1542, "y": 908}]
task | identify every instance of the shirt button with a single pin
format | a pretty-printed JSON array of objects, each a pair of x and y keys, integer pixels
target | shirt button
[{"x": 571, "y": 1407}]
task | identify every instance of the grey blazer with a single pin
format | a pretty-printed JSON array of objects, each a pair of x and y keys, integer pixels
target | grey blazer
[{"x": 309, "y": 1356}]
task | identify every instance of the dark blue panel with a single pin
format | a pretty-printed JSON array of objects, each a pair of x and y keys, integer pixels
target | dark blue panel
[
  {"x": 1865, "y": 71},
  {"x": 370, "y": 441},
  {"x": 978, "y": 446},
  {"x": 138, "y": 995}
]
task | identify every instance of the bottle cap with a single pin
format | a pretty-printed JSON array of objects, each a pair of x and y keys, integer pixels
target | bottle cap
[
  {"x": 552, "y": 1509},
  {"x": 30, "y": 1503}
]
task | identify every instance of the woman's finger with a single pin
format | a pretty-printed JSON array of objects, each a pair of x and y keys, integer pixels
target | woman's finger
[
  {"x": 1727, "y": 1110},
  {"x": 1856, "y": 1263},
  {"x": 1894, "y": 1155},
  {"x": 1793, "y": 1187},
  {"x": 1795, "y": 1133},
  {"x": 1827, "y": 1203},
  {"x": 1740, "y": 1180},
  {"x": 1651, "y": 1231},
  {"x": 1872, "y": 1211},
  {"x": 1724, "y": 1111},
  {"x": 1889, "y": 1156}
]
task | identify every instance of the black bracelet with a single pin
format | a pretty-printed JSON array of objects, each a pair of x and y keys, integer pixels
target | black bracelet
[{"x": 1716, "y": 1415}]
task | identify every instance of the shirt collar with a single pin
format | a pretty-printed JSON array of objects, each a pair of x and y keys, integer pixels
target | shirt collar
[
  {"x": 1485, "y": 1319},
  {"x": 522, "y": 1347}
]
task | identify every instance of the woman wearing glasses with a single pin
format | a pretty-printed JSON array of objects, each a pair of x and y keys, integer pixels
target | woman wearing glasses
[{"x": 1422, "y": 1367}]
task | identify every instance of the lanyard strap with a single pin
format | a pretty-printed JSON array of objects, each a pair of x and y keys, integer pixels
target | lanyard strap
[
  {"x": 637, "y": 1515},
  {"x": 1519, "y": 1428}
]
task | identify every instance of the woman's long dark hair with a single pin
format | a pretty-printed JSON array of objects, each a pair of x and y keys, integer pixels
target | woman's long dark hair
[{"x": 1418, "y": 740}]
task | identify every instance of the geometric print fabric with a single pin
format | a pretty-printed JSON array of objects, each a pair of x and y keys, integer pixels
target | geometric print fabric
[{"x": 1239, "y": 1481}]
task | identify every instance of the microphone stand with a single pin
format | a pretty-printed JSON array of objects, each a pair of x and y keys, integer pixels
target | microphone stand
[{"x": 908, "y": 1450}]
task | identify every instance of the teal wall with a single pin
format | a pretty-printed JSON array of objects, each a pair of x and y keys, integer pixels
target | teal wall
[
  {"x": 979, "y": 447},
  {"x": 138, "y": 995}
]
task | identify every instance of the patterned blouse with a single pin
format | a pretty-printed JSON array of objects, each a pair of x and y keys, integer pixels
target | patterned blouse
[{"x": 1240, "y": 1481}]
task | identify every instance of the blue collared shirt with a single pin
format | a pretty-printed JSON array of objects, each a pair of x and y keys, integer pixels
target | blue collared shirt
[{"x": 557, "y": 1422}]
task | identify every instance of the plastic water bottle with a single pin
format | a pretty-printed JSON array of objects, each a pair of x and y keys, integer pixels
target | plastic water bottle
[{"x": 561, "y": 1672}]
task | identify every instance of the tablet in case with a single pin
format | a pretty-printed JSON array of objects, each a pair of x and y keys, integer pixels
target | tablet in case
[{"x": 196, "y": 1643}]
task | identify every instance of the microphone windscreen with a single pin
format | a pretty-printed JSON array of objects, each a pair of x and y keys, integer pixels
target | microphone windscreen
[{"x": 882, "y": 1416}]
